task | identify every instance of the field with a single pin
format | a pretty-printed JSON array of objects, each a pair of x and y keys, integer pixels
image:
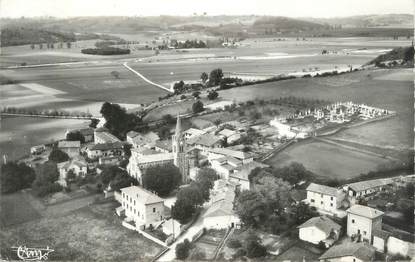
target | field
[
  {"x": 18, "y": 134},
  {"x": 16, "y": 209},
  {"x": 91, "y": 233},
  {"x": 328, "y": 160}
]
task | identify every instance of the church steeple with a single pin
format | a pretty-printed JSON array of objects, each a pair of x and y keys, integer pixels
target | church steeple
[{"x": 178, "y": 127}]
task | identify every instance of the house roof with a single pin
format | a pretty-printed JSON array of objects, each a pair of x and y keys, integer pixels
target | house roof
[
  {"x": 107, "y": 146},
  {"x": 63, "y": 144},
  {"x": 101, "y": 129},
  {"x": 358, "y": 250},
  {"x": 227, "y": 132},
  {"x": 230, "y": 152},
  {"x": 155, "y": 158},
  {"x": 207, "y": 140},
  {"x": 323, "y": 223},
  {"x": 164, "y": 144},
  {"x": 364, "y": 211},
  {"x": 74, "y": 162},
  {"x": 194, "y": 132},
  {"x": 365, "y": 185},
  {"x": 223, "y": 207},
  {"x": 106, "y": 137},
  {"x": 132, "y": 134},
  {"x": 141, "y": 195},
  {"x": 322, "y": 189}
]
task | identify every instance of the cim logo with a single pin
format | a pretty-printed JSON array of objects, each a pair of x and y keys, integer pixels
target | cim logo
[{"x": 32, "y": 254}]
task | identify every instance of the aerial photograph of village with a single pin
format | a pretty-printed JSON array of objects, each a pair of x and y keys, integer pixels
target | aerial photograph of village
[{"x": 266, "y": 130}]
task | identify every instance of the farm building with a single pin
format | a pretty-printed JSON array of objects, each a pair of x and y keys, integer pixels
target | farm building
[
  {"x": 318, "y": 229},
  {"x": 71, "y": 148},
  {"x": 326, "y": 199},
  {"x": 220, "y": 214}
]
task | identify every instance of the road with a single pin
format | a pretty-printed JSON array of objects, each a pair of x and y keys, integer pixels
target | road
[
  {"x": 146, "y": 79},
  {"x": 193, "y": 230}
]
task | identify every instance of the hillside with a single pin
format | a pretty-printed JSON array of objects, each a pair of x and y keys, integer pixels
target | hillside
[
  {"x": 23, "y": 36},
  {"x": 406, "y": 54},
  {"x": 284, "y": 24},
  {"x": 365, "y": 21}
]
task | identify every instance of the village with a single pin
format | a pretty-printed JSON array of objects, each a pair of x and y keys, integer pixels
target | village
[{"x": 191, "y": 193}]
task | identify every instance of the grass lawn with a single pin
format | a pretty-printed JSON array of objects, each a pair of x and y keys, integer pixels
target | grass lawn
[
  {"x": 16, "y": 209},
  {"x": 92, "y": 233}
]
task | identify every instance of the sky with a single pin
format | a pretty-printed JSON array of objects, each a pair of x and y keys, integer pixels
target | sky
[{"x": 290, "y": 8}]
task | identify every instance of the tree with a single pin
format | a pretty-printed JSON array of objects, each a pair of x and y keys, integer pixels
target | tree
[
  {"x": 164, "y": 132},
  {"x": 121, "y": 180},
  {"x": 32, "y": 46},
  {"x": 14, "y": 177},
  {"x": 58, "y": 156},
  {"x": 94, "y": 123},
  {"x": 212, "y": 95},
  {"x": 196, "y": 94},
  {"x": 254, "y": 248},
  {"x": 215, "y": 77},
  {"x": 252, "y": 208},
  {"x": 182, "y": 249},
  {"x": 179, "y": 87},
  {"x": 75, "y": 136},
  {"x": 204, "y": 77},
  {"x": 191, "y": 193},
  {"x": 205, "y": 178},
  {"x": 197, "y": 107},
  {"x": 68, "y": 45},
  {"x": 303, "y": 212},
  {"x": 169, "y": 119},
  {"x": 182, "y": 210},
  {"x": 46, "y": 176},
  {"x": 115, "y": 74},
  {"x": 119, "y": 122},
  {"x": 162, "y": 179}
]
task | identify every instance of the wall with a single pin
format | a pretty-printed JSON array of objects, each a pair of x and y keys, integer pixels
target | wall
[
  {"x": 329, "y": 204},
  {"x": 220, "y": 222},
  {"x": 397, "y": 246},
  {"x": 312, "y": 234}
]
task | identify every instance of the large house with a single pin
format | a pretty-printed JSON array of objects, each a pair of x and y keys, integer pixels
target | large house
[
  {"x": 220, "y": 214},
  {"x": 102, "y": 136},
  {"x": 141, "y": 206},
  {"x": 349, "y": 252},
  {"x": 78, "y": 166},
  {"x": 138, "y": 140},
  {"x": 325, "y": 199},
  {"x": 205, "y": 142},
  {"x": 320, "y": 229},
  {"x": 71, "y": 148},
  {"x": 115, "y": 149},
  {"x": 362, "y": 221}
]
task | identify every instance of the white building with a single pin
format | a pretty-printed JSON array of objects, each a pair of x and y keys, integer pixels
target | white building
[
  {"x": 141, "y": 206},
  {"x": 283, "y": 130},
  {"x": 318, "y": 229},
  {"x": 324, "y": 198},
  {"x": 78, "y": 166},
  {"x": 138, "y": 140},
  {"x": 219, "y": 105},
  {"x": 220, "y": 214},
  {"x": 362, "y": 221}
]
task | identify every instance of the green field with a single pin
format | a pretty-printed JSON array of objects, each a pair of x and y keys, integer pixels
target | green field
[{"x": 330, "y": 161}]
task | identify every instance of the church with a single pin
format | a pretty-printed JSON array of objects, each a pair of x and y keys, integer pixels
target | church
[{"x": 182, "y": 156}]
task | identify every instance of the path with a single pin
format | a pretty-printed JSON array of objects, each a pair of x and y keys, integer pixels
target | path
[
  {"x": 146, "y": 79},
  {"x": 170, "y": 255}
]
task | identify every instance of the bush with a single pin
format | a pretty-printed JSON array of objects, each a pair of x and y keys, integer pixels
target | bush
[
  {"x": 58, "y": 156},
  {"x": 105, "y": 51},
  {"x": 182, "y": 249},
  {"x": 14, "y": 177},
  {"x": 234, "y": 243},
  {"x": 198, "y": 107}
]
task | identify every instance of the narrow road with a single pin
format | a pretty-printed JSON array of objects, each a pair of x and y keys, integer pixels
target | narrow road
[
  {"x": 146, "y": 79},
  {"x": 192, "y": 231}
]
